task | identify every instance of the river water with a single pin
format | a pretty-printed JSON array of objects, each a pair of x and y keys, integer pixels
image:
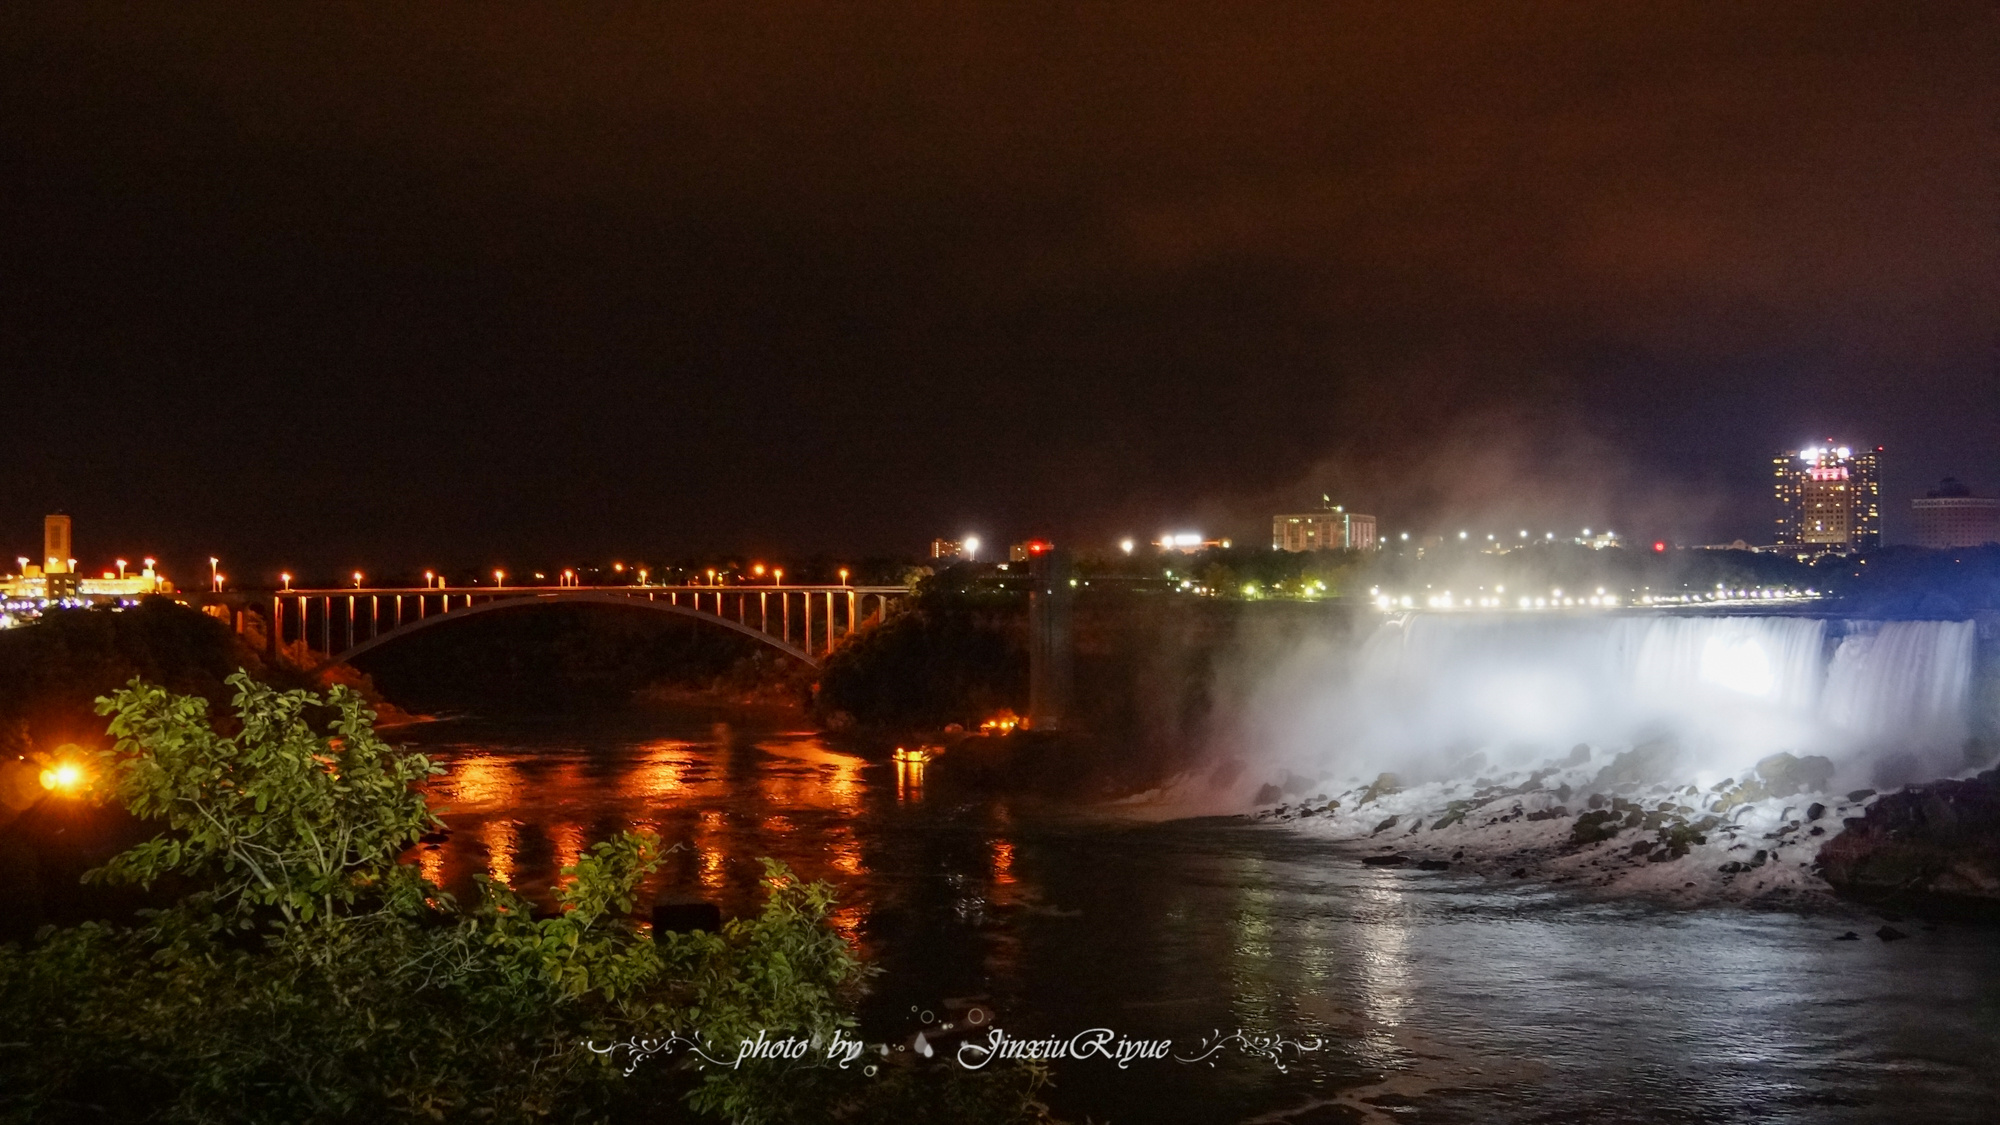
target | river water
[{"x": 1398, "y": 995}]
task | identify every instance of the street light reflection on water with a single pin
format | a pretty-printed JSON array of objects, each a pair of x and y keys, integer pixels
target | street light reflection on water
[
  {"x": 519, "y": 811},
  {"x": 1484, "y": 1001}
]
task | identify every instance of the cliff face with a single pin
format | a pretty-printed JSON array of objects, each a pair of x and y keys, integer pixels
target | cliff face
[{"x": 1934, "y": 847}]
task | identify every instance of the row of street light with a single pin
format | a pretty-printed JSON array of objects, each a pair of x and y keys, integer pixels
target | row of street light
[{"x": 436, "y": 581}]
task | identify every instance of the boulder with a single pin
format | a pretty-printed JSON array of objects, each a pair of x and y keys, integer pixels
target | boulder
[
  {"x": 1392, "y": 860},
  {"x": 1651, "y": 762},
  {"x": 1933, "y": 848},
  {"x": 1382, "y": 786},
  {"x": 1785, "y": 774}
]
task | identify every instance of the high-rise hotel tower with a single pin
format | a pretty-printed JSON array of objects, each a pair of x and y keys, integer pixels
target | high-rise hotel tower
[{"x": 1829, "y": 498}]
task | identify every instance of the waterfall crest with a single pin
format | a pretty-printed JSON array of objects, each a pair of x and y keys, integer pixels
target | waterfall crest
[{"x": 1435, "y": 695}]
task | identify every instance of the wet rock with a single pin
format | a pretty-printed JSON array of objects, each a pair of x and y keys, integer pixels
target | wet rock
[
  {"x": 1454, "y": 813},
  {"x": 1578, "y": 755},
  {"x": 1649, "y": 762},
  {"x": 1595, "y": 827},
  {"x": 1383, "y": 785},
  {"x": 1734, "y": 867},
  {"x": 1859, "y": 795},
  {"x": 1520, "y": 873},
  {"x": 1641, "y": 848},
  {"x": 1786, "y": 774},
  {"x": 1386, "y": 825},
  {"x": 1269, "y": 795},
  {"x": 1596, "y": 801},
  {"x": 1432, "y": 865},
  {"x": 1815, "y": 810},
  {"x": 1849, "y": 936},
  {"x": 1459, "y": 854},
  {"x": 1890, "y": 933},
  {"x": 1556, "y": 813},
  {"x": 1395, "y": 859},
  {"x": 1933, "y": 848}
]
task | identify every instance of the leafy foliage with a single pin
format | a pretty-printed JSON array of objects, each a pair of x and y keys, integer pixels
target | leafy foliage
[{"x": 308, "y": 975}]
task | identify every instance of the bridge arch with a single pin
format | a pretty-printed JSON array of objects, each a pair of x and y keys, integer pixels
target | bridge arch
[{"x": 572, "y": 597}]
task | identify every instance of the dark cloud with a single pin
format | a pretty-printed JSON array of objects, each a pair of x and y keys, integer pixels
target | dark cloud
[{"x": 347, "y": 284}]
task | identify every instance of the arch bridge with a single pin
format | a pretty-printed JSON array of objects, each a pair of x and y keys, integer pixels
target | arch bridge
[{"x": 805, "y": 622}]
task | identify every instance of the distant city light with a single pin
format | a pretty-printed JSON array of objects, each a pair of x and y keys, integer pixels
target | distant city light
[
  {"x": 1126, "y": 545},
  {"x": 971, "y": 546}
]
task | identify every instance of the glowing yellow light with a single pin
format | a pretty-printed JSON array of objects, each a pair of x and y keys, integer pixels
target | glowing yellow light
[{"x": 64, "y": 776}]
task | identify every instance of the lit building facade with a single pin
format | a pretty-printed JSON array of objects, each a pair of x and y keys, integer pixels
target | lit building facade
[
  {"x": 1951, "y": 516},
  {"x": 950, "y": 549},
  {"x": 1829, "y": 498},
  {"x": 1331, "y": 529},
  {"x": 56, "y": 578},
  {"x": 1188, "y": 542}
]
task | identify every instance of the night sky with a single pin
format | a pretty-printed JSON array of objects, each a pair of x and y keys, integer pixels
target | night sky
[{"x": 407, "y": 285}]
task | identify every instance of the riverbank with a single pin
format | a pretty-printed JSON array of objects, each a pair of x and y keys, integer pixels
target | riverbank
[{"x": 1775, "y": 838}]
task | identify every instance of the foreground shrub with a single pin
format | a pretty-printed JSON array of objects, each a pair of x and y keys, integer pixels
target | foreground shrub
[{"x": 305, "y": 974}]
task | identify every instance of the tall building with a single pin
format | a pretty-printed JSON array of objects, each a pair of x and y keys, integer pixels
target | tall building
[
  {"x": 1951, "y": 516},
  {"x": 1331, "y": 528},
  {"x": 1829, "y": 498},
  {"x": 56, "y": 546}
]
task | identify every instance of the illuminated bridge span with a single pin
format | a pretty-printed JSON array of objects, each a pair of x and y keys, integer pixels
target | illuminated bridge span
[{"x": 805, "y": 622}]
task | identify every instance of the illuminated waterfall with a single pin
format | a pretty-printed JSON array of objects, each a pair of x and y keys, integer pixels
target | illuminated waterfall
[{"x": 1426, "y": 692}]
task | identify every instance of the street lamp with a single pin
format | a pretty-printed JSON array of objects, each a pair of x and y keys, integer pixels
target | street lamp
[
  {"x": 971, "y": 547},
  {"x": 778, "y": 576},
  {"x": 642, "y": 576},
  {"x": 286, "y": 578},
  {"x": 121, "y": 568},
  {"x": 428, "y": 580},
  {"x": 357, "y": 580},
  {"x": 1126, "y": 545},
  {"x": 843, "y": 576},
  {"x": 499, "y": 578},
  {"x": 214, "y": 579}
]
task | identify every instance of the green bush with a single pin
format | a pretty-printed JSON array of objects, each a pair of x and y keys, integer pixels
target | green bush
[{"x": 306, "y": 974}]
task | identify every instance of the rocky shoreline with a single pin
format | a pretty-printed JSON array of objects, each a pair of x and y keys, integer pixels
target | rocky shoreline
[{"x": 1773, "y": 837}]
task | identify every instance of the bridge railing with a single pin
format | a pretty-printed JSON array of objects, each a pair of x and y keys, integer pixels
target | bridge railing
[{"x": 808, "y": 620}]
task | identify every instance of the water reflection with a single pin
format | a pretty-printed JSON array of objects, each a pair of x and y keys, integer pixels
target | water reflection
[{"x": 1442, "y": 997}]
